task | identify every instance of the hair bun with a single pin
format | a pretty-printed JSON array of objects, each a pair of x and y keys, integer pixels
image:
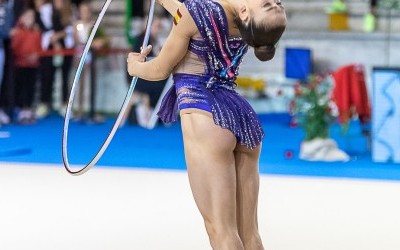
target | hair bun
[{"x": 264, "y": 53}]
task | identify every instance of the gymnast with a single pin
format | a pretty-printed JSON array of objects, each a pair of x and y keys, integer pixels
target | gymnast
[{"x": 221, "y": 132}]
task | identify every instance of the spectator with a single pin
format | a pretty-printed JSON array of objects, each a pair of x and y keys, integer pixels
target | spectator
[
  {"x": 85, "y": 24},
  {"x": 6, "y": 19},
  {"x": 52, "y": 35},
  {"x": 370, "y": 17},
  {"x": 146, "y": 94},
  {"x": 65, "y": 11},
  {"x": 374, "y": 6},
  {"x": 82, "y": 30},
  {"x": 337, "y": 6},
  {"x": 26, "y": 47}
]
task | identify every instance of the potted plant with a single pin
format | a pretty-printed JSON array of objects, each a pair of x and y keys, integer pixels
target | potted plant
[{"x": 315, "y": 112}]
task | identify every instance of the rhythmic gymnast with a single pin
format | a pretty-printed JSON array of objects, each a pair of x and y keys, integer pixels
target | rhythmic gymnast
[{"x": 221, "y": 132}]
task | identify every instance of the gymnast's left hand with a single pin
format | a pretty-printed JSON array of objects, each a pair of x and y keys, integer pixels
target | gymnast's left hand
[{"x": 135, "y": 58}]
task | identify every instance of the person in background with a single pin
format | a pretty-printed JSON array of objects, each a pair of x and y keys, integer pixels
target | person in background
[
  {"x": 83, "y": 28},
  {"x": 146, "y": 94},
  {"x": 52, "y": 37},
  {"x": 26, "y": 47},
  {"x": 373, "y": 4},
  {"x": 6, "y": 19},
  {"x": 370, "y": 17},
  {"x": 337, "y": 6},
  {"x": 65, "y": 11}
]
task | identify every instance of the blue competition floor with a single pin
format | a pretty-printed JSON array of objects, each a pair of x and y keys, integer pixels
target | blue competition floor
[{"x": 162, "y": 148}]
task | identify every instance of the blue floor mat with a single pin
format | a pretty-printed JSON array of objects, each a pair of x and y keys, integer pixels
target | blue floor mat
[{"x": 162, "y": 148}]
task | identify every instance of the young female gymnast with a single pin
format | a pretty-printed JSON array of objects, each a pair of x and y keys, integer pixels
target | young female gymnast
[{"x": 221, "y": 132}]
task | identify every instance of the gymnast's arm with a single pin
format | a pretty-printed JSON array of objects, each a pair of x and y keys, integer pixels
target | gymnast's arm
[
  {"x": 173, "y": 51},
  {"x": 170, "y": 5}
]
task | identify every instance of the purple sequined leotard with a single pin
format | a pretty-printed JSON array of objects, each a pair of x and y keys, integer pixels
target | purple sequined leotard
[{"x": 215, "y": 90}]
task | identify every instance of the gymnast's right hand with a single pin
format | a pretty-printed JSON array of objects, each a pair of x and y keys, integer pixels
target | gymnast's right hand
[{"x": 135, "y": 58}]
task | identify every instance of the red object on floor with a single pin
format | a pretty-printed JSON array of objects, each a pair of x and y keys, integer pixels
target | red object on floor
[{"x": 288, "y": 154}]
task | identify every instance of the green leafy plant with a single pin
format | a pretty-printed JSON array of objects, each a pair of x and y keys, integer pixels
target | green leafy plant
[
  {"x": 390, "y": 4},
  {"x": 313, "y": 108}
]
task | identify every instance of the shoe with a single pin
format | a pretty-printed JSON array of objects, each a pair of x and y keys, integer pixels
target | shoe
[
  {"x": 26, "y": 117},
  {"x": 4, "y": 118},
  {"x": 31, "y": 117},
  {"x": 63, "y": 110},
  {"x": 22, "y": 117},
  {"x": 98, "y": 119},
  {"x": 142, "y": 115},
  {"x": 42, "y": 111}
]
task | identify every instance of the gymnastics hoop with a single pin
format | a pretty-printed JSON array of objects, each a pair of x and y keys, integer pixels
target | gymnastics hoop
[{"x": 74, "y": 88}]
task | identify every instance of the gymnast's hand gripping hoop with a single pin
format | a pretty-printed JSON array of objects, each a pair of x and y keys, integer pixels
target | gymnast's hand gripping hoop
[{"x": 128, "y": 96}]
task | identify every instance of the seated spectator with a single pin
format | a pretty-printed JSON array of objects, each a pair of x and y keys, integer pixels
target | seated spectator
[
  {"x": 370, "y": 17},
  {"x": 146, "y": 94},
  {"x": 337, "y": 6}
]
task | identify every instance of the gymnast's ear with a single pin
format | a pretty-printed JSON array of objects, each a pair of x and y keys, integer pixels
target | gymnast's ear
[{"x": 244, "y": 13}]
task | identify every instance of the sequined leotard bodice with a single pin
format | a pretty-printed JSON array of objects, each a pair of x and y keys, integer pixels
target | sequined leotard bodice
[{"x": 214, "y": 91}]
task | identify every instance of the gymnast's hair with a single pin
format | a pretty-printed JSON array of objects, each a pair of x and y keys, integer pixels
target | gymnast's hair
[{"x": 262, "y": 37}]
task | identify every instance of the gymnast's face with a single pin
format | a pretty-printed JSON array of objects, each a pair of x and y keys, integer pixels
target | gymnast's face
[{"x": 262, "y": 12}]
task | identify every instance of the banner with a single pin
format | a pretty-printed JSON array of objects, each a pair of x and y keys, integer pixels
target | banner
[{"x": 386, "y": 115}]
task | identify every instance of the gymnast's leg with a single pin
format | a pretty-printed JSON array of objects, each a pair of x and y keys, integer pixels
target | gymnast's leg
[
  {"x": 247, "y": 177},
  {"x": 211, "y": 168}
]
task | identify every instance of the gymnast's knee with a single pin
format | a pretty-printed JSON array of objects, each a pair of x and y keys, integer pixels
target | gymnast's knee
[{"x": 223, "y": 236}]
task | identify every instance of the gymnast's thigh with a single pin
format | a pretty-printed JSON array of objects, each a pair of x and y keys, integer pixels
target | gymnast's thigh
[
  {"x": 200, "y": 132},
  {"x": 209, "y": 153}
]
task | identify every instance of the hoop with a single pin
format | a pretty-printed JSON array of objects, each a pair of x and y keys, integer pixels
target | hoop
[{"x": 74, "y": 88}]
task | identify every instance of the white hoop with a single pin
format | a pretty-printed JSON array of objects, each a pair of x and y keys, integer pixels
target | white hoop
[{"x": 74, "y": 88}]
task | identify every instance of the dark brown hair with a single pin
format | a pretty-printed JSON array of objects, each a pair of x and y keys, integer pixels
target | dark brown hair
[{"x": 263, "y": 38}]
